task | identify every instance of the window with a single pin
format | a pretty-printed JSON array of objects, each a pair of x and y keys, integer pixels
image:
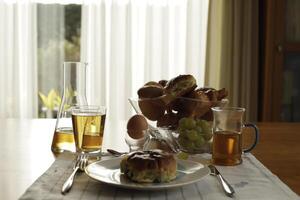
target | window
[{"x": 58, "y": 30}]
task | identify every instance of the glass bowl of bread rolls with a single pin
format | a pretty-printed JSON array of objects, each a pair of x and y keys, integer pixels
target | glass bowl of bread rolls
[{"x": 182, "y": 108}]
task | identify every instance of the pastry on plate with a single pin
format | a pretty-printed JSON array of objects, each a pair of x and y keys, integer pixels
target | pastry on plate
[{"x": 149, "y": 166}]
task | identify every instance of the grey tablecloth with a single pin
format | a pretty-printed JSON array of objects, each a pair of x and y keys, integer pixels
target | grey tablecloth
[{"x": 251, "y": 180}]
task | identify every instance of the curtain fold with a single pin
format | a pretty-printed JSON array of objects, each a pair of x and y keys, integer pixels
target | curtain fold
[
  {"x": 232, "y": 52},
  {"x": 18, "y": 59},
  {"x": 130, "y": 42}
]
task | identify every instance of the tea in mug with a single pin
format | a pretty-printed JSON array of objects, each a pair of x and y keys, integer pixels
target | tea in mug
[
  {"x": 227, "y": 148},
  {"x": 88, "y": 131}
]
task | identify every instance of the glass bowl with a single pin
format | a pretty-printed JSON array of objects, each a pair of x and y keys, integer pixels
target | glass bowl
[{"x": 187, "y": 120}]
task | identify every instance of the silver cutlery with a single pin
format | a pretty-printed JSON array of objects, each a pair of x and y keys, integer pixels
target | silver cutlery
[
  {"x": 116, "y": 153},
  {"x": 80, "y": 163},
  {"x": 228, "y": 189}
]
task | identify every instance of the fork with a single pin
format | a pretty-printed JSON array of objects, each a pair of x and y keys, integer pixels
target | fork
[{"x": 80, "y": 164}]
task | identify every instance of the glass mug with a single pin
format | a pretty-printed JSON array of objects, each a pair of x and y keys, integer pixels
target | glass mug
[
  {"x": 227, "y": 135},
  {"x": 88, "y": 126}
]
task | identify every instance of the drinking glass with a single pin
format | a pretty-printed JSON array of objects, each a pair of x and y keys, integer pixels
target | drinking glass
[
  {"x": 227, "y": 135},
  {"x": 88, "y": 126}
]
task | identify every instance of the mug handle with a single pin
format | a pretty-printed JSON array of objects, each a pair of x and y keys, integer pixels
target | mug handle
[{"x": 256, "y": 131}]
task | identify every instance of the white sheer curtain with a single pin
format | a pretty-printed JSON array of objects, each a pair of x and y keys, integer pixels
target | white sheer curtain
[
  {"x": 18, "y": 52},
  {"x": 130, "y": 42}
]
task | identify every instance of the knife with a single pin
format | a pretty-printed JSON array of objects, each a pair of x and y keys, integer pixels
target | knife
[{"x": 228, "y": 189}]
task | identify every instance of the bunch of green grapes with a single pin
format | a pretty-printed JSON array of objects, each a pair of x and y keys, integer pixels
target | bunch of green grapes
[{"x": 193, "y": 133}]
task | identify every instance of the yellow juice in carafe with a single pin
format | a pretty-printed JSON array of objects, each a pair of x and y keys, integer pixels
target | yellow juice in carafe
[{"x": 63, "y": 140}]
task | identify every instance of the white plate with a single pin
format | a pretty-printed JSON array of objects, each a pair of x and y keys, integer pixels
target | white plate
[{"x": 108, "y": 171}]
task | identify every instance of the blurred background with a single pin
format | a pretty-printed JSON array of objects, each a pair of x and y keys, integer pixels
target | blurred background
[{"x": 250, "y": 47}]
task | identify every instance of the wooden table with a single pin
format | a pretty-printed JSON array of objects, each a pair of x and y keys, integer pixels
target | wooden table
[
  {"x": 279, "y": 150},
  {"x": 25, "y": 151}
]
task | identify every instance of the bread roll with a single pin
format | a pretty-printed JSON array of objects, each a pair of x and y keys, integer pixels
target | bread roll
[
  {"x": 152, "y": 108},
  {"x": 150, "y": 91},
  {"x": 163, "y": 82},
  {"x": 180, "y": 85},
  {"x": 149, "y": 166}
]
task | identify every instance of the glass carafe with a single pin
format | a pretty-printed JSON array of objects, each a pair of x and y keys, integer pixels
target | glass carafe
[{"x": 74, "y": 94}]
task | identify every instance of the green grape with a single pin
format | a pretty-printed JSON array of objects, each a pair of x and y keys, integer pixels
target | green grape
[
  {"x": 199, "y": 129},
  {"x": 183, "y": 132},
  {"x": 185, "y": 143},
  {"x": 182, "y": 122},
  {"x": 190, "y": 146},
  {"x": 206, "y": 127},
  {"x": 190, "y": 123},
  {"x": 199, "y": 142},
  {"x": 180, "y": 129},
  {"x": 183, "y": 156},
  {"x": 187, "y": 123},
  {"x": 192, "y": 135},
  {"x": 198, "y": 122}
]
